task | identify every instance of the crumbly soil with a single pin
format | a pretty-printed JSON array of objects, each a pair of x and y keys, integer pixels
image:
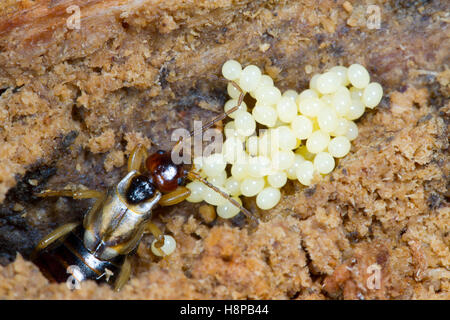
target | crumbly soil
[{"x": 74, "y": 103}]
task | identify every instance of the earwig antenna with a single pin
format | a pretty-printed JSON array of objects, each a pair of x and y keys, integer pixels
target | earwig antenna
[
  {"x": 225, "y": 114},
  {"x": 192, "y": 175},
  {"x": 218, "y": 118}
]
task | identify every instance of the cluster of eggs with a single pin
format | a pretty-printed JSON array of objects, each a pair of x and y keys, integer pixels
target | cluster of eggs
[{"x": 303, "y": 134}]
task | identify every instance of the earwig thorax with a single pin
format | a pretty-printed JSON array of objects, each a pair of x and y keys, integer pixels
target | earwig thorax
[{"x": 141, "y": 188}]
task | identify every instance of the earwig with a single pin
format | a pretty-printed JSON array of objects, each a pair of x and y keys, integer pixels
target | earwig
[{"x": 99, "y": 249}]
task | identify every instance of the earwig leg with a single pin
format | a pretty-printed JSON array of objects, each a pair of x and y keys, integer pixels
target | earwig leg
[
  {"x": 90, "y": 214},
  {"x": 216, "y": 119},
  {"x": 124, "y": 274},
  {"x": 157, "y": 233},
  {"x": 76, "y": 194},
  {"x": 225, "y": 114},
  {"x": 137, "y": 156},
  {"x": 172, "y": 198},
  {"x": 241, "y": 95},
  {"x": 53, "y": 236}
]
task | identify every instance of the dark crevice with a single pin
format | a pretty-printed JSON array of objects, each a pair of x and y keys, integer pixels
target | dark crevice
[
  {"x": 78, "y": 114},
  {"x": 2, "y": 90},
  {"x": 16, "y": 89},
  {"x": 68, "y": 139},
  {"x": 309, "y": 192},
  {"x": 187, "y": 271},
  {"x": 97, "y": 70},
  {"x": 30, "y": 184},
  {"x": 314, "y": 276},
  {"x": 195, "y": 236},
  {"x": 16, "y": 234},
  {"x": 266, "y": 257},
  {"x": 239, "y": 221},
  {"x": 163, "y": 73},
  {"x": 125, "y": 25},
  {"x": 434, "y": 201},
  {"x": 353, "y": 236},
  {"x": 295, "y": 295},
  {"x": 214, "y": 97}
]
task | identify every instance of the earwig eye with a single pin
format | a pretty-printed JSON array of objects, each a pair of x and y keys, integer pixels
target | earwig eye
[{"x": 140, "y": 189}]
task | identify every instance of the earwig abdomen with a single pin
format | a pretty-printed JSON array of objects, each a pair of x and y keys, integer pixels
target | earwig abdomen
[
  {"x": 110, "y": 231},
  {"x": 69, "y": 258}
]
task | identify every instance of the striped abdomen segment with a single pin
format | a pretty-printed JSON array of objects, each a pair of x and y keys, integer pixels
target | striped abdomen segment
[{"x": 70, "y": 258}]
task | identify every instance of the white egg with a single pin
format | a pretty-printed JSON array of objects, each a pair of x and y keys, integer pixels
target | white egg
[
  {"x": 268, "y": 198},
  {"x": 231, "y": 70}
]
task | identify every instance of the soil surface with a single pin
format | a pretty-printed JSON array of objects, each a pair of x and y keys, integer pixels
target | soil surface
[{"x": 74, "y": 103}]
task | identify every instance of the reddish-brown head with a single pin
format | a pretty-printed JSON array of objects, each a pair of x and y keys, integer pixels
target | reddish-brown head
[{"x": 166, "y": 175}]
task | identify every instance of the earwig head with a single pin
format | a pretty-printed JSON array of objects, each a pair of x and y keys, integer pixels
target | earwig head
[{"x": 166, "y": 175}]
